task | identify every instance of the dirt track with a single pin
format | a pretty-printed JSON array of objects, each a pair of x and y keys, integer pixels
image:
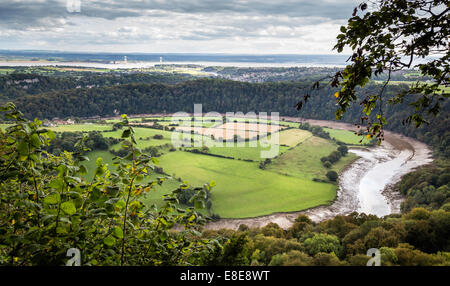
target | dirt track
[{"x": 395, "y": 147}]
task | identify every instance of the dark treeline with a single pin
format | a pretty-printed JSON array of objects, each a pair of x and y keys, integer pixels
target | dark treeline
[
  {"x": 21, "y": 84},
  {"x": 214, "y": 94},
  {"x": 224, "y": 96},
  {"x": 66, "y": 141}
]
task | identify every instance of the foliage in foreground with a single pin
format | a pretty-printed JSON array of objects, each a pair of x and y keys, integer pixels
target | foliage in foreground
[
  {"x": 417, "y": 238},
  {"x": 388, "y": 37},
  {"x": 47, "y": 208}
]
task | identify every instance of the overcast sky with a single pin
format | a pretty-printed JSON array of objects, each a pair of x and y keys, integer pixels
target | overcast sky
[{"x": 177, "y": 26}]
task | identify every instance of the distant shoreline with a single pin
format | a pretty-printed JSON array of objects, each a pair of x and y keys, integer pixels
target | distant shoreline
[{"x": 148, "y": 64}]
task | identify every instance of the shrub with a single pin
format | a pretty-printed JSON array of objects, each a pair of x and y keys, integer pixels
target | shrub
[
  {"x": 322, "y": 242},
  {"x": 243, "y": 227},
  {"x": 332, "y": 176},
  {"x": 327, "y": 164},
  {"x": 343, "y": 150},
  {"x": 54, "y": 208}
]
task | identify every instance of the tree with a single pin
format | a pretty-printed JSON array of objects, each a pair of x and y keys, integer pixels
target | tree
[
  {"x": 47, "y": 207},
  {"x": 327, "y": 259},
  {"x": 235, "y": 252},
  {"x": 322, "y": 242},
  {"x": 332, "y": 175},
  {"x": 386, "y": 37},
  {"x": 292, "y": 258},
  {"x": 343, "y": 149},
  {"x": 327, "y": 164},
  {"x": 334, "y": 156},
  {"x": 273, "y": 229}
]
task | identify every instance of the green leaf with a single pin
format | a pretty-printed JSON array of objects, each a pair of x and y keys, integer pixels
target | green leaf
[
  {"x": 100, "y": 170},
  {"x": 61, "y": 230},
  {"x": 84, "y": 158},
  {"x": 22, "y": 148},
  {"x": 69, "y": 208},
  {"x": 120, "y": 205},
  {"x": 51, "y": 135},
  {"x": 76, "y": 179},
  {"x": 126, "y": 133},
  {"x": 65, "y": 219},
  {"x": 52, "y": 199},
  {"x": 35, "y": 140},
  {"x": 112, "y": 190},
  {"x": 199, "y": 205},
  {"x": 118, "y": 232},
  {"x": 109, "y": 240},
  {"x": 82, "y": 170},
  {"x": 56, "y": 183}
]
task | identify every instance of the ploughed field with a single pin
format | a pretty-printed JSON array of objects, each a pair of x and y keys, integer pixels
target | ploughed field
[{"x": 246, "y": 185}]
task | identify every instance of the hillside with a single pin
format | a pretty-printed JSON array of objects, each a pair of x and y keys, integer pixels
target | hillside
[{"x": 224, "y": 96}]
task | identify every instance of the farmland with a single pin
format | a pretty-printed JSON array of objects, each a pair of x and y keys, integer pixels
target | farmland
[
  {"x": 247, "y": 184},
  {"x": 244, "y": 190},
  {"x": 347, "y": 137}
]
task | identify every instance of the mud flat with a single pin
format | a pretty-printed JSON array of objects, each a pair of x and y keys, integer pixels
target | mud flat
[{"x": 364, "y": 186}]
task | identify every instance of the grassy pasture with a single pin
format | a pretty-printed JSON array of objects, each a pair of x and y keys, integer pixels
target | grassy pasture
[
  {"x": 442, "y": 88},
  {"x": 5, "y": 71},
  {"x": 247, "y": 152},
  {"x": 80, "y": 128},
  {"x": 141, "y": 136},
  {"x": 303, "y": 161},
  {"x": 244, "y": 190},
  {"x": 348, "y": 137},
  {"x": 73, "y": 127},
  {"x": 293, "y": 137}
]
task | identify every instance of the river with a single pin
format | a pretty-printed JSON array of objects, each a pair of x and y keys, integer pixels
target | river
[{"x": 365, "y": 186}]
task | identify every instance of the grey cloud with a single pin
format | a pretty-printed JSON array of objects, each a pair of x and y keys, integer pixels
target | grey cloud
[
  {"x": 294, "y": 8},
  {"x": 108, "y": 22},
  {"x": 20, "y": 15},
  {"x": 28, "y": 13}
]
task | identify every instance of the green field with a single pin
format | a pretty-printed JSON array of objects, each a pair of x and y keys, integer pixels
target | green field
[
  {"x": 244, "y": 190},
  {"x": 247, "y": 152},
  {"x": 74, "y": 127},
  {"x": 346, "y": 136},
  {"x": 81, "y": 127},
  {"x": 6, "y": 70},
  {"x": 144, "y": 137},
  {"x": 293, "y": 137},
  {"x": 442, "y": 88},
  {"x": 304, "y": 160}
]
